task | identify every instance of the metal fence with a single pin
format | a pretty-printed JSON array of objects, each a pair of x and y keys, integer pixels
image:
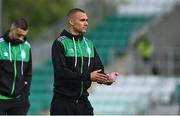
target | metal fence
[{"x": 164, "y": 61}]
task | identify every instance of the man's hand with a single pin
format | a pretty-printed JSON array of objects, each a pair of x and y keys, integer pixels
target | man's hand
[
  {"x": 111, "y": 78},
  {"x": 108, "y": 82},
  {"x": 97, "y": 76}
]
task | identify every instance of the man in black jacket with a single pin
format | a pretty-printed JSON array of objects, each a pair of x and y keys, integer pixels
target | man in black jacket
[
  {"x": 15, "y": 70},
  {"x": 76, "y": 64}
]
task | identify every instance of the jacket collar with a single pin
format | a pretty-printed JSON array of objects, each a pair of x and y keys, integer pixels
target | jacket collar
[{"x": 69, "y": 35}]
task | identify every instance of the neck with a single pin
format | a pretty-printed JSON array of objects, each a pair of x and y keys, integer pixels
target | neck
[{"x": 73, "y": 32}]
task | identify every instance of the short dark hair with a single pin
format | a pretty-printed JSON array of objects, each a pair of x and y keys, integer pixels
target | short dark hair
[
  {"x": 21, "y": 23},
  {"x": 73, "y": 11}
]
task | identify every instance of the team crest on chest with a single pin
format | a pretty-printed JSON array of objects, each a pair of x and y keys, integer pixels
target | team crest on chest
[{"x": 23, "y": 54}]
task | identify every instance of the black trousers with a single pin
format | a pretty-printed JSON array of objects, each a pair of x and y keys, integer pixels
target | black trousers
[
  {"x": 18, "y": 106},
  {"x": 64, "y": 106}
]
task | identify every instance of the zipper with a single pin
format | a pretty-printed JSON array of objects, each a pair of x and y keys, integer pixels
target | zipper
[
  {"x": 15, "y": 76},
  {"x": 82, "y": 83},
  {"x": 15, "y": 73}
]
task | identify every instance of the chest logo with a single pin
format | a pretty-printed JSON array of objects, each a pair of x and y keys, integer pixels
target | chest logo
[
  {"x": 71, "y": 50},
  {"x": 6, "y": 54},
  {"x": 89, "y": 50},
  {"x": 23, "y": 54}
]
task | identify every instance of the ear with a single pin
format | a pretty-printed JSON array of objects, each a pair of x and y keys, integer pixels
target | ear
[{"x": 71, "y": 22}]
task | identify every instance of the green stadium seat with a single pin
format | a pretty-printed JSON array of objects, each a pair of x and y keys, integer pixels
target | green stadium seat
[
  {"x": 41, "y": 88},
  {"x": 176, "y": 95},
  {"x": 114, "y": 33}
]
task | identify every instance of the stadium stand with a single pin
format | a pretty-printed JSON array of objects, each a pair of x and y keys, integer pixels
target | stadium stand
[
  {"x": 132, "y": 95},
  {"x": 112, "y": 35},
  {"x": 176, "y": 94},
  {"x": 41, "y": 88}
]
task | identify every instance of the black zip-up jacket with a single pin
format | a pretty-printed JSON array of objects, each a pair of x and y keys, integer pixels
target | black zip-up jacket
[
  {"x": 15, "y": 68},
  {"x": 74, "y": 58}
]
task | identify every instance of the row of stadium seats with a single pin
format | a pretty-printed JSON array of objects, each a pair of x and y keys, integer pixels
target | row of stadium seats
[
  {"x": 41, "y": 89},
  {"x": 176, "y": 95},
  {"x": 128, "y": 95},
  {"x": 114, "y": 34},
  {"x": 132, "y": 95}
]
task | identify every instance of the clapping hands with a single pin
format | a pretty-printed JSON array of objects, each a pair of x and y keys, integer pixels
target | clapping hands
[{"x": 106, "y": 79}]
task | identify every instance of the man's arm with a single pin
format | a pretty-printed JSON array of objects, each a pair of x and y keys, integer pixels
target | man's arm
[
  {"x": 110, "y": 78},
  {"x": 28, "y": 76},
  {"x": 98, "y": 68},
  {"x": 97, "y": 62}
]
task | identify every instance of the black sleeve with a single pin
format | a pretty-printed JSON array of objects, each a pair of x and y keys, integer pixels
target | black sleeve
[
  {"x": 61, "y": 69},
  {"x": 28, "y": 76},
  {"x": 97, "y": 62}
]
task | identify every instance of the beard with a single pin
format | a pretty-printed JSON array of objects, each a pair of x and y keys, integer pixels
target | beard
[{"x": 16, "y": 41}]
